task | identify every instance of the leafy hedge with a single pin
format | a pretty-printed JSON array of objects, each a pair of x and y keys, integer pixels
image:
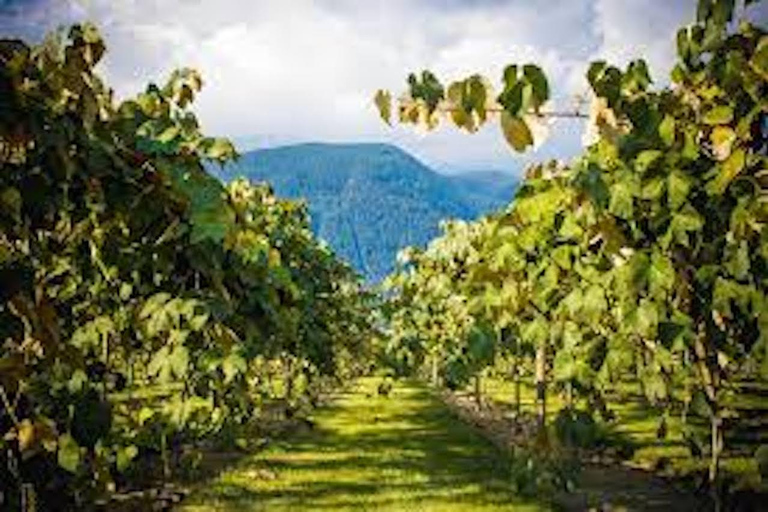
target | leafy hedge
[
  {"x": 141, "y": 302},
  {"x": 643, "y": 260}
]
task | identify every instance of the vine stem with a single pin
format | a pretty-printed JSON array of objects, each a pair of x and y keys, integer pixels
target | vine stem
[
  {"x": 567, "y": 114},
  {"x": 7, "y": 405}
]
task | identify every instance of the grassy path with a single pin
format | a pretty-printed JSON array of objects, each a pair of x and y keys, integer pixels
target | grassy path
[{"x": 367, "y": 452}]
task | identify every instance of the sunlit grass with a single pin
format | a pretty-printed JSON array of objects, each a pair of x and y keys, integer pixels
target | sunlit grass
[
  {"x": 368, "y": 452},
  {"x": 638, "y": 423}
]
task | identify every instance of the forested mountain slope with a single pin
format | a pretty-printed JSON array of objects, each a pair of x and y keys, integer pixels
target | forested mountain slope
[{"x": 370, "y": 200}]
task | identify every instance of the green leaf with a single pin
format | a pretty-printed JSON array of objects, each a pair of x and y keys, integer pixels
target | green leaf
[
  {"x": 678, "y": 73},
  {"x": 646, "y": 159},
  {"x": 145, "y": 414},
  {"x": 220, "y": 149},
  {"x": 691, "y": 146},
  {"x": 647, "y": 318},
  {"x": 517, "y": 99},
  {"x": 68, "y": 454},
  {"x": 77, "y": 381},
  {"x": 383, "y": 101},
  {"x": 636, "y": 77},
  {"x": 678, "y": 187},
  {"x": 605, "y": 81},
  {"x": 738, "y": 262},
  {"x": 689, "y": 220},
  {"x": 652, "y": 189},
  {"x": 728, "y": 171},
  {"x": 685, "y": 221},
  {"x": 759, "y": 61},
  {"x": 661, "y": 273},
  {"x": 538, "y": 81},
  {"x": 621, "y": 200},
  {"x": 574, "y": 301},
  {"x": 683, "y": 51},
  {"x": 11, "y": 200},
  {"x": 125, "y": 291},
  {"x": 476, "y": 95},
  {"x": 510, "y": 76},
  {"x": 722, "y": 138},
  {"x": 429, "y": 89},
  {"x": 703, "y": 10},
  {"x": 570, "y": 228},
  {"x": 168, "y": 134},
  {"x": 211, "y": 224},
  {"x": 124, "y": 457},
  {"x": 480, "y": 345},
  {"x": 594, "y": 302},
  {"x": 722, "y": 114},
  {"x": 516, "y": 132},
  {"x": 197, "y": 322},
  {"x": 158, "y": 365},
  {"x": 593, "y": 183},
  {"x": 655, "y": 388},
  {"x": 179, "y": 360},
  {"x": 722, "y": 11},
  {"x": 595, "y": 70},
  {"x": 562, "y": 256},
  {"x": 667, "y": 130},
  {"x": 210, "y": 214},
  {"x": 233, "y": 365},
  {"x": 153, "y": 304}
]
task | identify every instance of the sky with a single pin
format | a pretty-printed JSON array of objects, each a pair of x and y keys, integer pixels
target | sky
[{"x": 287, "y": 71}]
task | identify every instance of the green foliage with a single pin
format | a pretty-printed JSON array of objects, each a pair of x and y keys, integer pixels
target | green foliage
[
  {"x": 646, "y": 256},
  {"x": 542, "y": 473},
  {"x": 468, "y": 102},
  {"x": 576, "y": 428},
  {"x": 761, "y": 456},
  {"x": 142, "y": 300}
]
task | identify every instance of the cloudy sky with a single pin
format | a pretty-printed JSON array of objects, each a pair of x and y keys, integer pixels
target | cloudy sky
[{"x": 285, "y": 71}]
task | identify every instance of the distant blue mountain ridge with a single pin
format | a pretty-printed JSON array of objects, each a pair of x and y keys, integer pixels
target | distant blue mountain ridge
[{"x": 368, "y": 201}]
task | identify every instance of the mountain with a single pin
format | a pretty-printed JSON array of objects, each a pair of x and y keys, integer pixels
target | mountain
[
  {"x": 368, "y": 201},
  {"x": 494, "y": 188}
]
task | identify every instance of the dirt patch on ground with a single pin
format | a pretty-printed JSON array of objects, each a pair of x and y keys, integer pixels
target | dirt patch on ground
[{"x": 605, "y": 484}]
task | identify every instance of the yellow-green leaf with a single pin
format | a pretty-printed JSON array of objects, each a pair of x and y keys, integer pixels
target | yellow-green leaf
[
  {"x": 383, "y": 101},
  {"x": 722, "y": 114},
  {"x": 25, "y": 434},
  {"x": 729, "y": 169},
  {"x": 621, "y": 201},
  {"x": 220, "y": 149},
  {"x": 69, "y": 453},
  {"x": 125, "y": 456},
  {"x": 516, "y": 132},
  {"x": 667, "y": 130},
  {"x": 759, "y": 61},
  {"x": 168, "y": 134},
  {"x": 722, "y": 138},
  {"x": 646, "y": 159},
  {"x": 678, "y": 186}
]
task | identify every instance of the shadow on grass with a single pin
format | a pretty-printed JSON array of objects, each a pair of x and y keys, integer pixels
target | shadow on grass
[
  {"x": 335, "y": 496},
  {"x": 407, "y": 452}
]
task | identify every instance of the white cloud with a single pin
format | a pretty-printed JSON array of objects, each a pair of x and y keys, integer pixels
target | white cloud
[
  {"x": 633, "y": 29},
  {"x": 299, "y": 70}
]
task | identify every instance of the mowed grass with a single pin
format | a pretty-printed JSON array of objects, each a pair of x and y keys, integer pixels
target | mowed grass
[{"x": 405, "y": 452}]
